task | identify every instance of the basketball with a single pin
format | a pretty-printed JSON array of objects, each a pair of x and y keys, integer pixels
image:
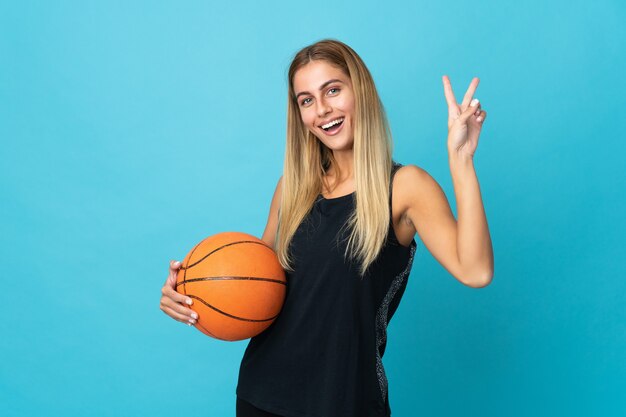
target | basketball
[{"x": 237, "y": 285}]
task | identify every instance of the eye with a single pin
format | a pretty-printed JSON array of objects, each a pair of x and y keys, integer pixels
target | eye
[
  {"x": 333, "y": 88},
  {"x": 305, "y": 102}
]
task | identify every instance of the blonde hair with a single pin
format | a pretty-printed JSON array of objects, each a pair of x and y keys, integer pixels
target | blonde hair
[{"x": 307, "y": 159}]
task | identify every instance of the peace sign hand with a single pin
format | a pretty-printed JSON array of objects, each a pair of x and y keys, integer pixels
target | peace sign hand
[{"x": 464, "y": 121}]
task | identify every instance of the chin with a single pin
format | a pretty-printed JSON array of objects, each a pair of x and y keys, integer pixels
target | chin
[{"x": 335, "y": 144}]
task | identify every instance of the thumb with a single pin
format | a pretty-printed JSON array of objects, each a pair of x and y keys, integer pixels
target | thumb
[{"x": 471, "y": 109}]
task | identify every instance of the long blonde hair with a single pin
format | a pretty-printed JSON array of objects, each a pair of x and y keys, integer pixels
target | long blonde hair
[{"x": 307, "y": 159}]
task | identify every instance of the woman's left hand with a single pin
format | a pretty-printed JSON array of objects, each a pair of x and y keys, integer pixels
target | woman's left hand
[{"x": 464, "y": 120}]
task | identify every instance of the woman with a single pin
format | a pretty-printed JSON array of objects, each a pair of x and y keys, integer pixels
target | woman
[{"x": 342, "y": 221}]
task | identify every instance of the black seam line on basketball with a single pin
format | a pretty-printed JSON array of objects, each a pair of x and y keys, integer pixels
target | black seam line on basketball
[
  {"x": 230, "y": 315},
  {"x": 222, "y": 247},
  {"x": 275, "y": 281},
  {"x": 185, "y": 268},
  {"x": 211, "y": 334}
]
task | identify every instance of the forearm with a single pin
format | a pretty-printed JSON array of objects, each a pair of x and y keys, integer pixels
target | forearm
[{"x": 474, "y": 247}]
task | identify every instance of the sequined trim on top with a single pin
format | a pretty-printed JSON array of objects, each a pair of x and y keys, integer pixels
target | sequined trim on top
[{"x": 381, "y": 321}]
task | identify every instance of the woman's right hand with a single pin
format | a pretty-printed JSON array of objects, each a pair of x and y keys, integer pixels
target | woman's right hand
[{"x": 174, "y": 303}]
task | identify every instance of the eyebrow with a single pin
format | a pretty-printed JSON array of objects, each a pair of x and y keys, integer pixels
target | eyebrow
[{"x": 334, "y": 80}]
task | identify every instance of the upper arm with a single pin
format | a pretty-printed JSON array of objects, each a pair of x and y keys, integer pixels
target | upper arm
[
  {"x": 428, "y": 210},
  {"x": 269, "y": 235}
]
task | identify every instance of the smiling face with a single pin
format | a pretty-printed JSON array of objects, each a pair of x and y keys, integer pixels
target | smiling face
[{"x": 326, "y": 101}]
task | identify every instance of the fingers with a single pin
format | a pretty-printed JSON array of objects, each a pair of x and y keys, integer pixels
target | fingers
[
  {"x": 176, "y": 315},
  {"x": 469, "y": 93},
  {"x": 169, "y": 290},
  {"x": 472, "y": 110},
  {"x": 480, "y": 114},
  {"x": 447, "y": 90},
  {"x": 175, "y": 296},
  {"x": 173, "y": 303},
  {"x": 174, "y": 267},
  {"x": 478, "y": 109}
]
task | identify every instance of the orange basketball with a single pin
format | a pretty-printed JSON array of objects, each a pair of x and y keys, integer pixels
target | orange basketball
[{"x": 237, "y": 285}]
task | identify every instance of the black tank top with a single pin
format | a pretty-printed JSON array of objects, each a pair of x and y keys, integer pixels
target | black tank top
[{"x": 322, "y": 356}]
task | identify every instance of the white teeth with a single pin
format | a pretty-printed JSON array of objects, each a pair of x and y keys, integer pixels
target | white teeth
[{"x": 333, "y": 123}]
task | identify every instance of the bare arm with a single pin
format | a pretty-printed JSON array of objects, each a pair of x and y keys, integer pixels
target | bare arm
[
  {"x": 463, "y": 248},
  {"x": 473, "y": 239},
  {"x": 269, "y": 235}
]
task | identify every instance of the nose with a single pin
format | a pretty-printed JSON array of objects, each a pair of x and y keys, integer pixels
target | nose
[{"x": 323, "y": 108}]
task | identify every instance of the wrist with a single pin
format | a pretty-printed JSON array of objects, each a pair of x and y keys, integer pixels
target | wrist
[{"x": 460, "y": 158}]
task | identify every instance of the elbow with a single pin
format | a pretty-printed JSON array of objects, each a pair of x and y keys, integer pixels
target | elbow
[{"x": 479, "y": 280}]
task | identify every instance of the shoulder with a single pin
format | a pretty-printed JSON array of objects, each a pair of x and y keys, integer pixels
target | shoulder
[
  {"x": 410, "y": 176},
  {"x": 410, "y": 172},
  {"x": 413, "y": 186}
]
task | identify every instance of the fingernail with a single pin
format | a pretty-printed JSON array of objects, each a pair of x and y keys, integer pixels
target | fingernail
[
  {"x": 479, "y": 119},
  {"x": 191, "y": 321},
  {"x": 188, "y": 324},
  {"x": 194, "y": 315},
  {"x": 189, "y": 301},
  {"x": 474, "y": 102}
]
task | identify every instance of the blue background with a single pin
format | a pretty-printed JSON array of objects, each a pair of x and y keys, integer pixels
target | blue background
[{"x": 132, "y": 131}]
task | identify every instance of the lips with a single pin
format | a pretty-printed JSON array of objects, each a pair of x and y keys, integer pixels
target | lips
[
  {"x": 335, "y": 128},
  {"x": 330, "y": 123}
]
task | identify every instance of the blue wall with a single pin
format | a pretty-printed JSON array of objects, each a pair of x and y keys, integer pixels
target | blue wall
[{"x": 129, "y": 132}]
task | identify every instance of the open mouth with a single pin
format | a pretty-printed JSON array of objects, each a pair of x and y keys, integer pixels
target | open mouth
[{"x": 333, "y": 126}]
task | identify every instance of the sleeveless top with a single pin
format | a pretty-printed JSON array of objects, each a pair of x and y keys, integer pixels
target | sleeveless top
[{"x": 322, "y": 356}]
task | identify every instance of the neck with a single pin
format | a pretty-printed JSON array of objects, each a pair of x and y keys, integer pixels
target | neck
[{"x": 344, "y": 170}]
